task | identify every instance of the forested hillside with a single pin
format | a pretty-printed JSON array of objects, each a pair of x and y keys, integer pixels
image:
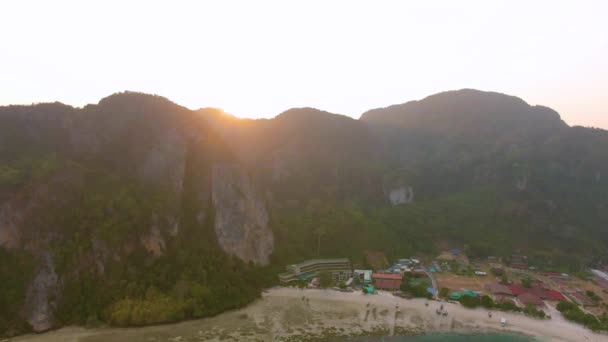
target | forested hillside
[{"x": 137, "y": 211}]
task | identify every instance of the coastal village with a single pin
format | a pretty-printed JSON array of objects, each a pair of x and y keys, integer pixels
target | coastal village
[{"x": 510, "y": 285}]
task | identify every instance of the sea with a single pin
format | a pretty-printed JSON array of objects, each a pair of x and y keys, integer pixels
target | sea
[{"x": 449, "y": 338}]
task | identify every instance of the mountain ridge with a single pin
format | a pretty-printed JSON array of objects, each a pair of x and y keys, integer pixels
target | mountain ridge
[{"x": 137, "y": 210}]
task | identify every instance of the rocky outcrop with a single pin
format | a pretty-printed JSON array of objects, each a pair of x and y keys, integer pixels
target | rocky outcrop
[
  {"x": 43, "y": 296},
  {"x": 403, "y": 194},
  {"x": 154, "y": 242},
  {"x": 241, "y": 217}
]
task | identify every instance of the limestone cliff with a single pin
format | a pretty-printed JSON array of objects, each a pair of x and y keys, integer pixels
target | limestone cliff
[
  {"x": 43, "y": 296},
  {"x": 241, "y": 218}
]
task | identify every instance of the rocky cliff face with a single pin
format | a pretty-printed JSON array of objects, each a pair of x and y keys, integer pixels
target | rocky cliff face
[
  {"x": 75, "y": 219},
  {"x": 241, "y": 218},
  {"x": 112, "y": 193},
  {"x": 43, "y": 296}
]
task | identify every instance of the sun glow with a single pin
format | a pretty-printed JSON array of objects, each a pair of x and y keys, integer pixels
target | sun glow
[{"x": 256, "y": 59}]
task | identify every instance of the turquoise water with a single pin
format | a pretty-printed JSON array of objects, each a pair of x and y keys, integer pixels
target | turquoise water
[{"x": 449, "y": 338}]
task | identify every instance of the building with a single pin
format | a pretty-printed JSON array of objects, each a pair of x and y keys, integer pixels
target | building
[
  {"x": 363, "y": 276},
  {"x": 517, "y": 290},
  {"x": 600, "y": 274},
  {"x": 339, "y": 269},
  {"x": 555, "y": 296},
  {"x": 519, "y": 261},
  {"x": 530, "y": 299},
  {"x": 455, "y": 255},
  {"x": 499, "y": 289},
  {"x": 385, "y": 281},
  {"x": 601, "y": 282}
]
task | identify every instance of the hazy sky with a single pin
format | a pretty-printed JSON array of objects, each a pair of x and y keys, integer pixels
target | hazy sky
[{"x": 258, "y": 58}]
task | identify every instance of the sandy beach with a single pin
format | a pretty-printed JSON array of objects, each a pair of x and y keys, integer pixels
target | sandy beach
[{"x": 290, "y": 314}]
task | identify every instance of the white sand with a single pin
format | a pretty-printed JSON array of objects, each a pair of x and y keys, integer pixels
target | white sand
[
  {"x": 282, "y": 315},
  {"x": 555, "y": 329}
]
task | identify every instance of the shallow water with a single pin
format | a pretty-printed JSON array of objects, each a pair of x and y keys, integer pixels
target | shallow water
[{"x": 449, "y": 338}]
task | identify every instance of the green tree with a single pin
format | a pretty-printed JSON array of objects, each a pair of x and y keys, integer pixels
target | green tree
[
  {"x": 487, "y": 302},
  {"x": 325, "y": 279},
  {"x": 470, "y": 301}
]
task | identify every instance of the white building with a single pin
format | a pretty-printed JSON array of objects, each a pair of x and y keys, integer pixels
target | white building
[
  {"x": 364, "y": 276},
  {"x": 600, "y": 274}
]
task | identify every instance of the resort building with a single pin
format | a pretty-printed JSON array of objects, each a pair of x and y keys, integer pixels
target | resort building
[
  {"x": 500, "y": 292},
  {"x": 363, "y": 276},
  {"x": 519, "y": 261},
  {"x": 530, "y": 299},
  {"x": 386, "y": 281},
  {"x": 600, "y": 274},
  {"x": 339, "y": 269}
]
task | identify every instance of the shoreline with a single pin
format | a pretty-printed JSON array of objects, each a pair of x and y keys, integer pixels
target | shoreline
[{"x": 292, "y": 314}]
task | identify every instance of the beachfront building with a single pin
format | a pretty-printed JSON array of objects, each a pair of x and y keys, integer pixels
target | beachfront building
[
  {"x": 499, "y": 291},
  {"x": 519, "y": 261},
  {"x": 600, "y": 274},
  {"x": 339, "y": 269},
  {"x": 363, "y": 276},
  {"x": 528, "y": 298},
  {"x": 386, "y": 281}
]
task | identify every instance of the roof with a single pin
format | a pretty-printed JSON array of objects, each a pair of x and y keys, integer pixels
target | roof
[
  {"x": 458, "y": 295},
  {"x": 387, "y": 276},
  {"x": 499, "y": 289},
  {"x": 542, "y": 293},
  {"x": 554, "y": 295},
  {"x": 539, "y": 284},
  {"x": 600, "y": 274},
  {"x": 322, "y": 261},
  {"x": 516, "y": 289},
  {"x": 363, "y": 271},
  {"x": 530, "y": 299}
]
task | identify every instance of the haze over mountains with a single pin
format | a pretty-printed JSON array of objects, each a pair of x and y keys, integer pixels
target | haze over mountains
[{"x": 139, "y": 211}]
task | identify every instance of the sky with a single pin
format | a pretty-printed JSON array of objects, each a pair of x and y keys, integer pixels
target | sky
[{"x": 258, "y": 58}]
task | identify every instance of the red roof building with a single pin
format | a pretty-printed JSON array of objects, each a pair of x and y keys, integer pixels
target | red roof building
[
  {"x": 387, "y": 281},
  {"x": 499, "y": 290},
  {"x": 516, "y": 289},
  {"x": 530, "y": 299},
  {"x": 555, "y": 296}
]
